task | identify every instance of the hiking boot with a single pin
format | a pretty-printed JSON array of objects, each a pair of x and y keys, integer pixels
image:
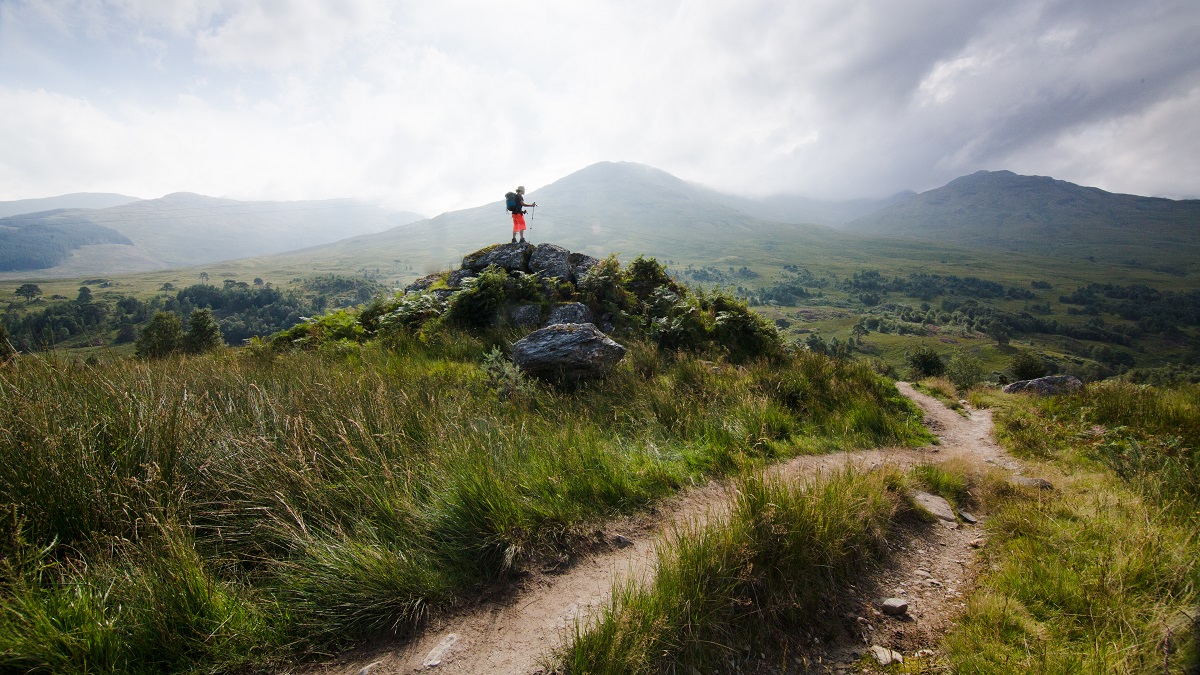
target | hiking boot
[{"x": 515, "y": 240}]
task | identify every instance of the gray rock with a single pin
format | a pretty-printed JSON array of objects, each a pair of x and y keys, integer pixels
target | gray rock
[
  {"x": 935, "y": 505},
  {"x": 884, "y": 656},
  {"x": 968, "y": 517},
  {"x": 1046, "y": 386},
  {"x": 527, "y": 315},
  {"x": 622, "y": 541},
  {"x": 442, "y": 294},
  {"x": 1039, "y": 483},
  {"x": 580, "y": 264},
  {"x": 552, "y": 261},
  {"x": 456, "y": 278},
  {"x": 567, "y": 351},
  {"x": 423, "y": 283},
  {"x": 570, "y": 312},
  {"x": 509, "y": 257},
  {"x": 895, "y": 607}
]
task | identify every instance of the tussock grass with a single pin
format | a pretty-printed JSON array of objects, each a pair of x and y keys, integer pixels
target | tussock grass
[
  {"x": 1096, "y": 575},
  {"x": 235, "y": 510},
  {"x": 770, "y": 562}
]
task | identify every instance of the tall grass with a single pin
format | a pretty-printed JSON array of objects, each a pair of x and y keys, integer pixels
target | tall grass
[
  {"x": 233, "y": 510},
  {"x": 1097, "y": 576},
  {"x": 768, "y": 564}
]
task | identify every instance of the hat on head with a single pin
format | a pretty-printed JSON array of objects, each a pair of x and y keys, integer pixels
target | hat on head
[{"x": 521, "y": 189}]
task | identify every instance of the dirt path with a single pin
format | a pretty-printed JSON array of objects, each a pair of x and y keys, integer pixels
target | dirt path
[{"x": 516, "y": 633}]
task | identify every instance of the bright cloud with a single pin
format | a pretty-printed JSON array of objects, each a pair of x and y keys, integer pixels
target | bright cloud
[{"x": 444, "y": 105}]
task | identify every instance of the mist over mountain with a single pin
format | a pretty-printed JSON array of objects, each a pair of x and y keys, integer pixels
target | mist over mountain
[
  {"x": 1004, "y": 211},
  {"x": 184, "y": 229},
  {"x": 78, "y": 200}
]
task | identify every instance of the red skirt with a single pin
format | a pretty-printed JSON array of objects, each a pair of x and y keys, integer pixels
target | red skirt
[{"x": 518, "y": 222}]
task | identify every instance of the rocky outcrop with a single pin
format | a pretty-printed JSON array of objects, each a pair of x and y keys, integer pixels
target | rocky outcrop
[
  {"x": 567, "y": 351},
  {"x": 508, "y": 257},
  {"x": 580, "y": 264},
  {"x": 526, "y": 315},
  {"x": 1046, "y": 386},
  {"x": 551, "y": 262},
  {"x": 570, "y": 312}
]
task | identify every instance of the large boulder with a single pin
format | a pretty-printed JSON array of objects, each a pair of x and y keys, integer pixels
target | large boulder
[
  {"x": 526, "y": 315},
  {"x": 567, "y": 351},
  {"x": 1046, "y": 386},
  {"x": 456, "y": 277},
  {"x": 552, "y": 261},
  {"x": 509, "y": 257},
  {"x": 570, "y": 312},
  {"x": 580, "y": 264},
  {"x": 423, "y": 283}
]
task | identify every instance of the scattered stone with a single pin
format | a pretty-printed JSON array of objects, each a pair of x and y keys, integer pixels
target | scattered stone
[
  {"x": 884, "y": 656},
  {"x": 622, "y": 541},
  {"x": 567, "y": 350},
  {"x": 1039, "y": 483},
  {"x": 949, "y": 525},
  {"x": 1046, "y": 386},
  {"x": 570, "y": 312},
  {"x": 509, "y": 257},
  {"x": 924, "y": 654},
  {"x": 968, "y": 517},
  {"x": 434, "y": 658},
  {"x": 976, "y": 543},
  {"x": 366, "y": 670},
  {"x": 924, "y": 573},
  {"x": 551, "y": 260},
  {"x": 895, "y": 607},
  {"x": 934, "y": 505}
]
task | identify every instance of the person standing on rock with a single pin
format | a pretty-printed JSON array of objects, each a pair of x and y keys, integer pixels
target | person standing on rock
[{"x": 515, "y": 202}]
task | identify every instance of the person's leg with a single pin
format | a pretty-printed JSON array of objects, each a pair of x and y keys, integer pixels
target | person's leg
[{"x": 518, "y": 227}]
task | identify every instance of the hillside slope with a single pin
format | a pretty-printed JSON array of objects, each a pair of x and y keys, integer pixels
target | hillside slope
[
  {"x": 1003, "y": 211},
  {"x": 187, "y": 229},
  {"x": 76, "y": 200}
]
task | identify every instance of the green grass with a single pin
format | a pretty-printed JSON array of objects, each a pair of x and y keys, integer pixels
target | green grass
[
  {"x": 768, "y": 565},
  {"x": 1094, "y": 576},
  {"x": 245, "y": 509}
]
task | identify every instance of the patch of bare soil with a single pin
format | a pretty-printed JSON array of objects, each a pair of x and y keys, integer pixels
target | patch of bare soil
[{"x": 931, "y": 568}]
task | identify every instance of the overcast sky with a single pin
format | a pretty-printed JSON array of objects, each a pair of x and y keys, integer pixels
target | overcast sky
[{"x": 441, "y": 104}]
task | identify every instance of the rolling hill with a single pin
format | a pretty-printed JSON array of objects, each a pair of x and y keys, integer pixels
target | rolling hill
[
  {"x": 77, "y": 200},
  {"x": 1003, "y": 211},
  {"x": 185, "y": 229}
]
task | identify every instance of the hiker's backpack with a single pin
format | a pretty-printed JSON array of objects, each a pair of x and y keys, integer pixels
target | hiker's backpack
[{"x": 511, "y": 202}]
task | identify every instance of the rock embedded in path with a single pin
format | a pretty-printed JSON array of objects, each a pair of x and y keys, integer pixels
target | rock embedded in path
[
  {"x": 968, "y": 517},
  {"x": 509, "y": 257},
  {"x": 1046, "y": 386},
  {"x": 567, "y": 351},
  {"x": 935, "y": 505},
  {"x": 895, "y": 607},
  {"x": 884, "y": 656}
]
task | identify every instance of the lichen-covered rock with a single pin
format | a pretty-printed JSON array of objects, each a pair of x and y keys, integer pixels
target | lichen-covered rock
[
  {"x": 456, "y": 277},
  {"x": 527, "y": 315},
  {"x": 551, "y": 260},
  {"x": 580, "y": 264},
  {"x": 509, "y": 257},
  {"x": 570, "y": 351},
  {"x": 423, "y": 283},
  {"x": 570, "y": 312},
  {"x": 1046, "y": 386}
]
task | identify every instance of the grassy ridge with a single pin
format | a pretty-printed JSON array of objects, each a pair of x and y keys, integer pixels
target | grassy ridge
[
  {"x": 211, "y": 513},
  {"x": 1101, "y": 574}
]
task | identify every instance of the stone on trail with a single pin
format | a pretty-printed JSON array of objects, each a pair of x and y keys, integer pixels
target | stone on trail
[
  {"x": 935, "y": 506},
  {"x": 968, "y": 517},
  {"x": 895, "y": 607},
  {"x": 567, "y": 351},
  {"x": 1046, "y": 386},
  {"x": 884, "y": 656}
]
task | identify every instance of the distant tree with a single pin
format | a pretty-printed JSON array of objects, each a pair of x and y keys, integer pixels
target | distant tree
[
  {"x": 160, "y": 337},
  {"x": 925, "y": 362},
  {"x": 204, "y": 276},
  {"x": 998, "y": 332},
  {"x": 964, "y": 370},
  {"x": 85, "y": 295},
  {"x": 168, "y": 287},
  {"x": 28, "y": 291},
  {"x": 258, "y": 281},
  {"x": 203, "y": 334},
  {"x": 126, "y": 334}
]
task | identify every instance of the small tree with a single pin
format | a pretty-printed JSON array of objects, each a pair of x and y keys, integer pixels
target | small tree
[
  {"x": 28, "y": 291},
  {"x": 203, "y": 334},
  {"x": 160, "y": 337},
  {"x": 1026, "y": 366},
  {"x": 204, "y": 277},
  {"x": 85, "y": 295},
  {"x": 964, "y": 370},
  {"x": 925, "y": 362}
]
